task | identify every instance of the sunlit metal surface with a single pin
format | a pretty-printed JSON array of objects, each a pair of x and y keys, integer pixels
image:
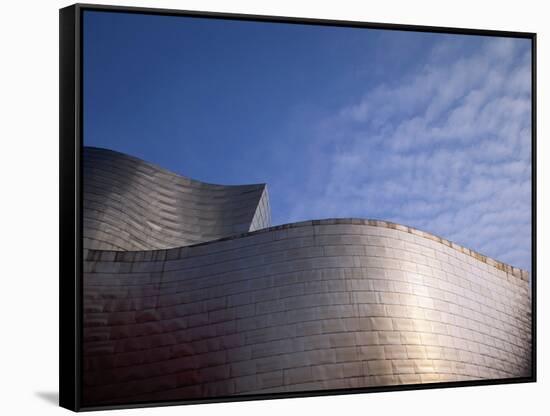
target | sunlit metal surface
[{"x": 315, "y": 305}]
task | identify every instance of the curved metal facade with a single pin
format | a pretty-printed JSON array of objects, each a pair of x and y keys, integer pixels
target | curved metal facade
[
  {"x": 315, "y": 305},
  {"x": 130, "y": 204}
]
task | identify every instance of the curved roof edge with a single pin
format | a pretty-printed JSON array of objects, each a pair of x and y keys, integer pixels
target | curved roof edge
[
  {"x": 168, "y": 171},
  {"x": 131, "y": 204},
  {"x": 515, "y": 271}
]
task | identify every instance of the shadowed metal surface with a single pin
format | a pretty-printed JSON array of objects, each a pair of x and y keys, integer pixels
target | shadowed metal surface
[
  {"x": 315, "y": 305},
  {"x": 130, "y": 204}
]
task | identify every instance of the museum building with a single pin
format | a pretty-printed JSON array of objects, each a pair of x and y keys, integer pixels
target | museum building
[{"x": 190, "y": 293}]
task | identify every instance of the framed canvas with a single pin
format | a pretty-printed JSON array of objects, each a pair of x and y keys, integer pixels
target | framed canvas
[{"x": 257, "y": 207}]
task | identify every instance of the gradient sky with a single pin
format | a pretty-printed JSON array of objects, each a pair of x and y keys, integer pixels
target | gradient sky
[{"x": 428, "y": 130}]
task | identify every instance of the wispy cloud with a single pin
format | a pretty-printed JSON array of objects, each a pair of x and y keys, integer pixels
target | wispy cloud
[{"x": 445, "y": 148}]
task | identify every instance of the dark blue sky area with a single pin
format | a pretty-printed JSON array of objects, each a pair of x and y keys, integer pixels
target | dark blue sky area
[{"x": 227, "y": 101}]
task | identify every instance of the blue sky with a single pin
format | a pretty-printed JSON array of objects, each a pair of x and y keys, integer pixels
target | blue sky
[{"x": 427, "y": 130}]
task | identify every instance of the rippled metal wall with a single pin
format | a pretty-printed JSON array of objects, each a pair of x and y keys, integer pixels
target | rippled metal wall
[
  {"x": 314, "y": 305},
  {"x": 130, "y": 204}
]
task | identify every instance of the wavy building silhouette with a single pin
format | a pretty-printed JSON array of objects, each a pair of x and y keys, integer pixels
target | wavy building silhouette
[{"x": 190, "y": 293}]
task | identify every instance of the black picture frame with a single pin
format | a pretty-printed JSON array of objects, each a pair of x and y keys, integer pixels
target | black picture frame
[{"x": 71, "y": 224}]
